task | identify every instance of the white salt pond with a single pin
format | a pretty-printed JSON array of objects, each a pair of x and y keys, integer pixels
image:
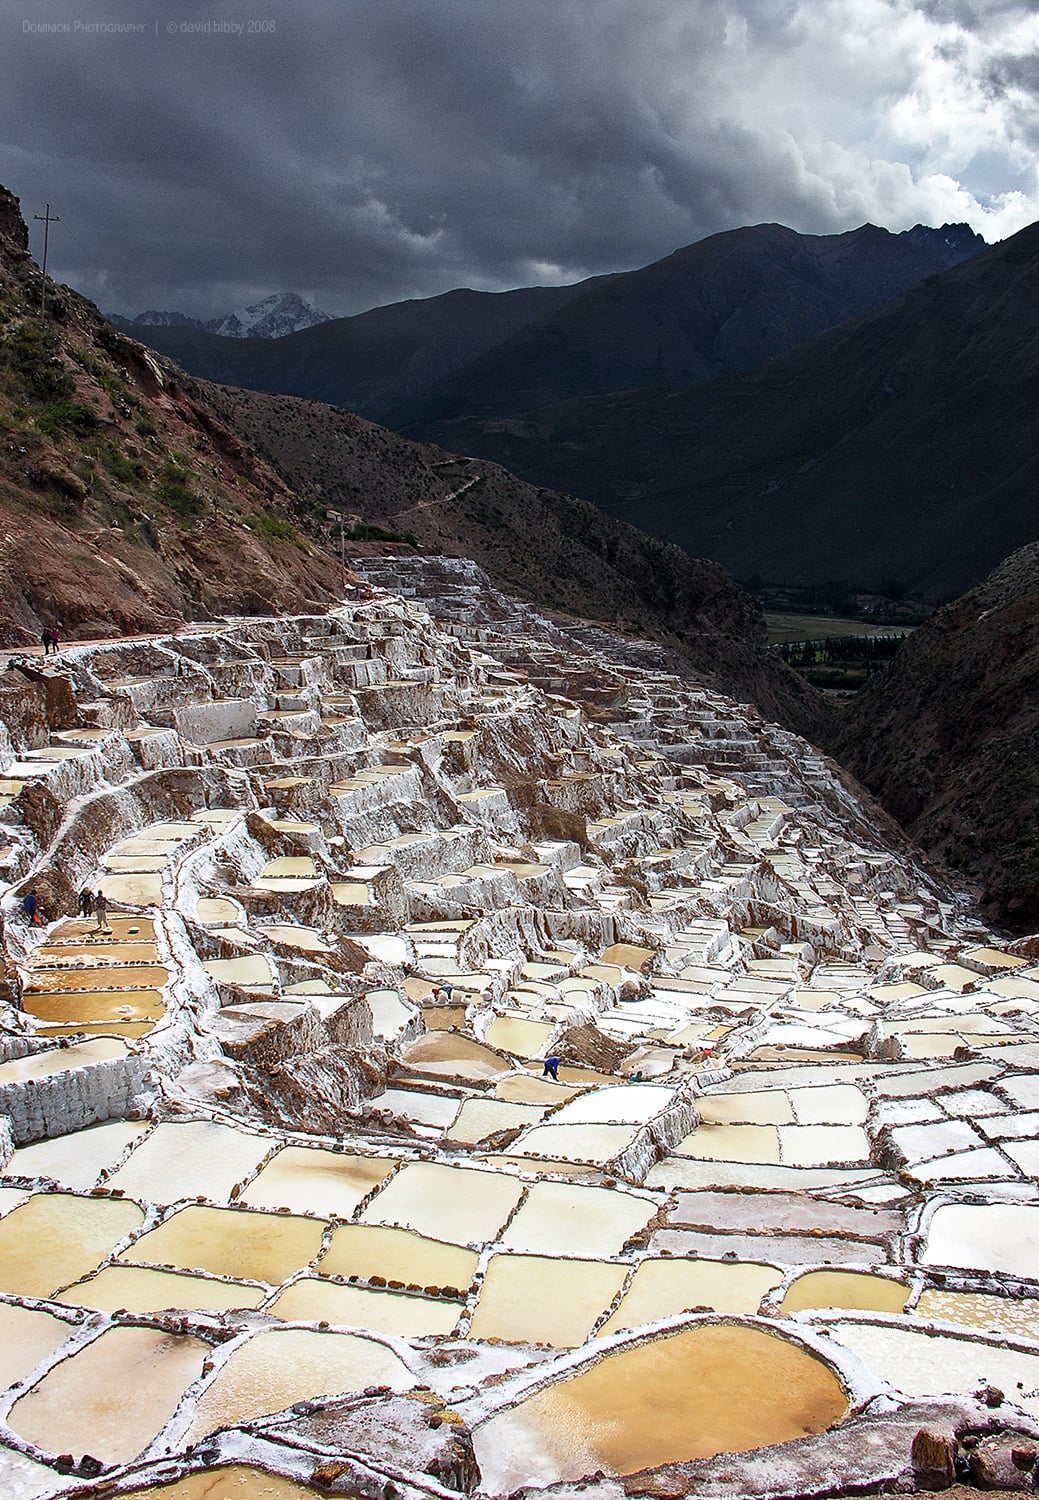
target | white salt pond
[
  {"x": 985, "y": 1237},
  {"x": 446, "y": 1203},
  {"x": 196, "y": 1158}
]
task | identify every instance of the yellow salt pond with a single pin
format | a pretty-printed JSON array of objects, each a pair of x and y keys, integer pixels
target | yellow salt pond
[
  {"x": 445, "y": 1203},
  {"x": 190, "y": 1159},
  {"x": 27, "y": 1336},
  {"x": 62, "y": 1059},
  {"x": 231, "y": 1242},
  {"x": 368, "y": 1250},
  {"x": 56, "y": 1238},
  {"x": 536, "y": 1299},
  {"x": 226, "y": 1482},
  {"x": 112, "y": 1397},
  {"x": 709, "y": 1389},
  {"x": 845, "y": 1289},
  {"x": 311, "y": 1300},
  {"x": 1011, "y": 1316},
  {"x": 140, "y": 1289},
  {"x": 217, "y": 911},
  {"x": 309, "y": 1181},
  {"x": 352, "y": 893},
  {"x": 662, "y": 1288},
  {"x": 97, "y": 977},
  {"x": 134, "y": 889},
  {"x": 271, "y": 1370},
  {"x": 513, "y": 1034}
]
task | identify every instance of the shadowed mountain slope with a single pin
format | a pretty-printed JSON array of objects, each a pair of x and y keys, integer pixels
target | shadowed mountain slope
[
  {"x": 367, "y": 363},
  {"x": 948, "y": 737},
  {"x": 901, "y": 447},
  {"x": 725, "y": 304}
]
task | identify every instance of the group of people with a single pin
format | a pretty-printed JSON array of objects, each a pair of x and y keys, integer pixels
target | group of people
[
  {"x": 51, "y": 638},
  {"x": 94, "y": 903}
]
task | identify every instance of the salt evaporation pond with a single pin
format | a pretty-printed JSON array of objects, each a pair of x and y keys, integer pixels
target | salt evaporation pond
[
  {"x": 230, "y": 1482},
  {"x": 305, "y": 1180},
  {"x": 271, "y": 1370},
  {"x": 535, "y": 1299},
  {"x": 111, "y": 1398},
  {"x": 368, "y": 1250},
  {"x": 312, "y": 1300},
  {"x": 56, "y": 1238},
  {"x": 231, "y": 1242},
  {"x": 710, "y": 1389},
  {"x": 27, "y": 1335},
  {"x": 662, "y": 1288},
  {"x": 141, "y": 1289}
]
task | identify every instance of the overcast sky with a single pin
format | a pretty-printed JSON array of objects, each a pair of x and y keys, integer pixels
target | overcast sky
[{"x": 364, "y": 151}]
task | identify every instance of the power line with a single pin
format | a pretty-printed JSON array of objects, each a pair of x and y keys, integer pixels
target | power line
[{"x": 46, "y": 219}]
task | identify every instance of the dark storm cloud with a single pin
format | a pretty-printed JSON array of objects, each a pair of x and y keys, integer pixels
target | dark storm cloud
[{"x": 368, "y": 150}]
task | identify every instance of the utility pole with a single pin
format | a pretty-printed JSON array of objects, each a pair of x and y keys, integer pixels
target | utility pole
[
  {"x": 46, "y": 219},
  {"x": 337, "y": 515}
]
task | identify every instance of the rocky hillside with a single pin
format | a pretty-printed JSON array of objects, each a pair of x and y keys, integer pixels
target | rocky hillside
[
  {"x": 948, "y": 738},
  {"x": 127, "y": 504},
  {"x": 561, "y": 553},
  {"x": 900, "y": 447}
]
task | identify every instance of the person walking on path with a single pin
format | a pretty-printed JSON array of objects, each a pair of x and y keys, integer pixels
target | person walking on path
[
  {"x": 55, "y": 639},
  {"x": 551, "y": 1068},
  {"x": 86, "y": 902},
  {"x": 45, "y": 637},
  {"x": 31, "y": 907},
  {"x": 101, "y": 909}
]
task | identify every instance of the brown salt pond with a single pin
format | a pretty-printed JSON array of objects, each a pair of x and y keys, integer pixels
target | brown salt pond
[
  {"x": 709, "y": 1389},
  {"x": 275, "y": 1368},
  {"x": 397, "y": 1254},
  {"x": 845, "y": 1289},
  {"x": 231, "y": 1242},
  {"x": 113, "y": 1397},
  {"x": 56, "y": 1238},
  {"x": 443, "y": 1017},
  {"x": 229, "y": 1482},
  {"x": 536, "y": 1299},
  {"x": 309, "y": 1181},
  {"x": 446, "y": 1054}
]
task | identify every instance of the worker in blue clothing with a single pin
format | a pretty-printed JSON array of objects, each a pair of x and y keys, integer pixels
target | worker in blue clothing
[{"x": 551, "y": 1068}]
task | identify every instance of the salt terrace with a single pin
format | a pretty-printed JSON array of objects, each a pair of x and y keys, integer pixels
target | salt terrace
[{"x": 287, "y": 1206}]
